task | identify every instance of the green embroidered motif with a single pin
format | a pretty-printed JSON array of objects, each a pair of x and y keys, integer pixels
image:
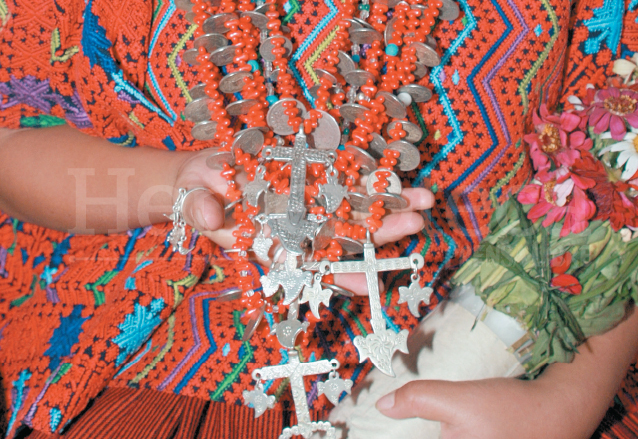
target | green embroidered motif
[
  {"x": 41, "y": 121},
  {"x": 4, "y": 13},
  {"x": 172, "y": 62},
  {"x": 507, "y": 178},
  {"x": 56, "y": 45},
  {"x": 294, "y": 8}
]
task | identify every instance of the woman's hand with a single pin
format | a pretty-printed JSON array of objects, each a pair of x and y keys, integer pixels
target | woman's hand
[{"x": 567, "y": 401}]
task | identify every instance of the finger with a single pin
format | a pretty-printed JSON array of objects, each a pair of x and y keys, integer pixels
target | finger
[
  {"x": 433, "y": 400},
  {"x": 203, "y": 211},
  {"x": 355, "y": 282},
  {"x": 397, "y": 226},
  {"x": 418, "y": 199}
]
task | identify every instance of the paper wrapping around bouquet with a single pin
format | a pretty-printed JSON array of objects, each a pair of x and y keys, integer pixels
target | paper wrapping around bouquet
[{"x": 444, "y": 347}]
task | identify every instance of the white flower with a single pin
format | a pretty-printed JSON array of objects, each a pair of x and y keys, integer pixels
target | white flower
[
  {"x": 628, "y": 149},
  {"x": 625, "y": 68}
]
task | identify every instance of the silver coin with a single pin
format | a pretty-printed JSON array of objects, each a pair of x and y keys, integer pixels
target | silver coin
[
  {"x": 389, "y": 29},
  {"x": 394, "y": 186},
  {"x": 313, "y": 90},
  {"x": 358, "y": 77},
  {"x": 199, "y": 91},
  {"x": 216, "y": 24},
  {"x": 190, "y": 56},
  {"x": 419, "y": 7},
  {"x": 228, "y": 296},
  {"x": 362, "y": 23},
  {"x": 217, "y": 159},
  {"x": 274, "y": 75},
  {"x": 419, "y": 93},
  {"x": 184, "y": 5},
  {"x": 377, "y": 146},
  {"x": 253, "y": 323},
  {"x": 363, "y": 158},
  {"x": 388, "y": 3},
  {"x": 393, "y": 106},
  {"x": 390, "y": 201},
  {"x": 223, "y": 56},
  {"x": 349, "y": 245},
  {"x": 410, "y": 157},
  {"x": 190, "y": 17},
  {"x": 197, "y": 110},
  {"x": 263, "y": 8},
  {"x": 358, "y": 201},
  {"x": 204, "y": 130},
  {"x": 211, "y": 42},
  {"x": 238, "y": 108},
  {"x": 266, "y": 47},
  {"x": 351, "y": 112},
  {"x": 285, "y": 29},
  {"x": 414, "y": 133},
  {"x": 430, "y": 41},
  {"x": 420, "y": 71},
  {"x": 321, "y": 73},
  {"x": 278, "y": 121},
  {"x": 249, "y": 140},
  {"x": 258, "y": 20},
  {"x": 426, "y": 55},
  {"x": 449, "y": 11},
  {"x": 327, "y": 135},
  {"x": 324, "y": 234},
  {"x": 353, "y": 24},
  {"x": 365, "y": 35},
  {"x": 346, "y": 64},
  {"x": 234, "y": 82}
]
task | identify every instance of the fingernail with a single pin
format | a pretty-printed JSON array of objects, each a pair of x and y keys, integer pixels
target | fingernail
[
  {"x": 386, "y": 403},
  {"x": 200, "y": 218}
]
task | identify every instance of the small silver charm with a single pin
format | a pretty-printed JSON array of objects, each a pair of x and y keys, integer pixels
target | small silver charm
[
  {"x": 291, "y": 278},
  {"x": 288, "y": 331},
  {"x": 333, "y": 192},
  {"x": 255, "y": 188},
  {"x": 315, "y": 295},
  {"x": 261, "y": 246},
  {"x": 334, "y": 387},
  {"x": 177, "y": 236},
  {"x": 414, "y": 295},
  {"x": 259, "y": 399}
]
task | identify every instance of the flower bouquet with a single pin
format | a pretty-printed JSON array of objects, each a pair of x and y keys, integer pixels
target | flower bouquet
[{"x": 561, "y": 257}]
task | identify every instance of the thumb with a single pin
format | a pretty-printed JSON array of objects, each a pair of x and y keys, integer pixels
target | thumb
[
  {"x": 433, "y": 400},
  {"x": 203, "y": 211}
]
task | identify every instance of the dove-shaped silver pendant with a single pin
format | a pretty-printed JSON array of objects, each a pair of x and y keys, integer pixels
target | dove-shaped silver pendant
[
  {"x": 259, "y": 399},
  {"x": 334, "y": 387}
]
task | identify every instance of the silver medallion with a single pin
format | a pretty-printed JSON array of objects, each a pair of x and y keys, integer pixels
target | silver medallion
[
  {"x": 197, "y": 110},
  {"x": 204, "y": 130},
  {"x": 216, "y": 24},
  {"x": 334, "y": 387},
  {"x": 223, "y": 56},
  {"x": 327, "y": 134},
  {"x": 419, "y": 93},
  {"x": 217, "y": 159},
  {"x": 346, "y": 64},
  {"x": 426, "y": 55},
  {"x": 352, "y": 112},
  {"x": 257, "y": 19},
  {"x": 211, "y": 42},
  {"x": 410, "y": 156},
  {"x": 365, "y": 36},
  {"x": 266, "y": 47},
  {"x": 394, "y": 186},
  {"x": 414, "y": 133},
  {"x": 278, "y": 121},
  {"x": 393, "y": 106},
  {"x": 358, "y": 77},
  {"x": 239, "y": 108},
  {"x": 249, "y": 140},
  {"x": 234, "y": 82}
]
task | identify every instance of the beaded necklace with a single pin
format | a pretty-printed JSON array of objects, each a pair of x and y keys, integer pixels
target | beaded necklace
[{"x": 305, "y": 164}]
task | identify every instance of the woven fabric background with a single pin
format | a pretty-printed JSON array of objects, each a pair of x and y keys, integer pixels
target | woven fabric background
[{"x": 80, "y": 314}]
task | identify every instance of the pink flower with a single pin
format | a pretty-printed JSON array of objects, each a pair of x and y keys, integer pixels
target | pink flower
[
  {"x": 557, "y": 140},
  {"x": 611, "y": 108},
  {"x": 559, "y": 195},
  {"x": 564, "y": 282}
]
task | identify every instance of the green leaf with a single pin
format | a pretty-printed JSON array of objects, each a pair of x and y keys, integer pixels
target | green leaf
[{"x": 490, "y": 252}]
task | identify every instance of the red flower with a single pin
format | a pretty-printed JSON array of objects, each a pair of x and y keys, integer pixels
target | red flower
[
  {"x": 557, "y": 140},
  {"x": 611, "y": 108},
  {"x": 564, "y": 282},
  {"x": 567, "y": 284}
]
